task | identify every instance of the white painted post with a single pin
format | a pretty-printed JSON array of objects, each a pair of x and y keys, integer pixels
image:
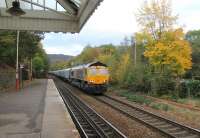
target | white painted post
[{"x": 17, "y": 62}]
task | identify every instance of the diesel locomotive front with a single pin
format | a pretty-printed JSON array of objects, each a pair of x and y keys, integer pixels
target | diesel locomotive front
[{"x": 92, "y": 77}]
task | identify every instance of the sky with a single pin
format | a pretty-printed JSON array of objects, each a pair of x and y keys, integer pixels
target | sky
[{"x": 112, "y": 21}]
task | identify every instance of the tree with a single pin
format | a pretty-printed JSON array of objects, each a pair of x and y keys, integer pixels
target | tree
[
  {"x": 170, "y": 53},
  {"x": 194, "y": 38},
  {"x": 8, "y": 47},
  {"x": 167, "y": 52},
  {"x": 28, "y": 46},
  {"x": 156, "y": 17},
  {"x": 123, "y": 67},
  {"x": 164, "y": 45},
  {"x": 38, "y": 66}
]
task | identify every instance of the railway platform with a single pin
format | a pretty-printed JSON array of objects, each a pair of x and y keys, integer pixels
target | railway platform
[{"x": 37, "y": 111}]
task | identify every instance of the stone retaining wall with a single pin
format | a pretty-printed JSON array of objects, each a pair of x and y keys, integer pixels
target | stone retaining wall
[{"x": 7, "y": 78}]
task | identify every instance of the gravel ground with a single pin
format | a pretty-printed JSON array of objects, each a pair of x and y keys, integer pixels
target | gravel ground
[
  {"x": 192, "y": 120},
  {"x": 129, "y": 127}
]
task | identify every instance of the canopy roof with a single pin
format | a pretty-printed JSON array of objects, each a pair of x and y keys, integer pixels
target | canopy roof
[{"x": 48, "y": 15}]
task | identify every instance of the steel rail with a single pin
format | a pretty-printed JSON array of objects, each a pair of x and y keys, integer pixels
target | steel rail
[
  {"x": 168, "y": 127},
  {"x": 88, "y": 122}
]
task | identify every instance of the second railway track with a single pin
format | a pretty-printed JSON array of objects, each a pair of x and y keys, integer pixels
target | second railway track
[
  {"x": 163, "y": 125},
  {"x": 89, "y": 123}
]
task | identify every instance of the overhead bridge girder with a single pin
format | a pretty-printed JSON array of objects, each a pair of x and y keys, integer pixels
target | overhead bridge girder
[
  {"x": 45, "y": 21},
  {"x": 49, "y": 21}
]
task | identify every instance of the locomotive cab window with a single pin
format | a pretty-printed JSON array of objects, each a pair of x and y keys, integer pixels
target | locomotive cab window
[
  {"x": 92, "y": 71},
  {"x": 72, "y": 73},
  {"x": 98, "y": 70},
  {"x": 103, "y": 71}
]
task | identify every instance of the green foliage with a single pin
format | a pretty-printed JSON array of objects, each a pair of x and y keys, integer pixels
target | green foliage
[
  {"x": 59, "y": 65},
  {"x": 28, "y": 42},
  {"x": 161, "y": 106},
  {"x": 156, "y": 106},
  {"x": 163, "y": 85},
  {"x": 182, "y": 101},
  {"x": 7, "y": 47},
  {"x": 133, "y": 97},
  {"x": 136, "y": 98},
  {"x": 190, "y": 88},
  {"x": 38, "y": 64},
  {"x": 29, "y": 48},
  {"x": 194, "y": 38}
]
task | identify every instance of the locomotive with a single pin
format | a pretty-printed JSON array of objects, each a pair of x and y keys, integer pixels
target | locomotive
[{"x": 92, "y": 77}]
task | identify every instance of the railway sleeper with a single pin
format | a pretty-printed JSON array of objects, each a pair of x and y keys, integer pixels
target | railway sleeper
[
  {"x": 87, "y": 127},
  {"x": 103, "y": 125},
  {"x": 88, "y": 131},
  {"x": 92, "y": 136},
  {"x": 152, "y": 121},
  {"x": 98, "y": 123},
  {"x": 144, "y": 116},
  {"x": 83, "y": 123},
  {"x": 191, "y": 136},
  {"x": 107, "y": 130},
  {"x": 148, "y": 118},
  {"x": 136, "y": 112},
  {"x": 110, "y": 134},
  {"x": 140, "y": 113},
  {"x": 181, "y": 133},
  {"x": 129, "y": 111},
  {"x": 165, "y": 126},
  {"x": 174, "y": 129},
  {"x": 159, "y": 123}
]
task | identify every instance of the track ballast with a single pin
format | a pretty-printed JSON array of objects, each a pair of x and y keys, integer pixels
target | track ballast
[
  {"x": 163, "y": 125},
  {"x": 89, "y": 123}
]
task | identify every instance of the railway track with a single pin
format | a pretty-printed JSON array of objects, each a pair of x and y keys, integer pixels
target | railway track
[
  {"x": 163, "y": 125},
  {"x": 89, "y": 123}
]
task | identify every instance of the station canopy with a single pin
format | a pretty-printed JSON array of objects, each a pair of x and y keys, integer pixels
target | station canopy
[{"x": 48, "y": 15}]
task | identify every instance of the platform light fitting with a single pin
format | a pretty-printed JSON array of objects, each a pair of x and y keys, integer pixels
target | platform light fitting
[{"x": 15, "y": 10}]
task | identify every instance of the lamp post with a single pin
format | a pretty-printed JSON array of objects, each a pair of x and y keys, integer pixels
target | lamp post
[
  {"x": 17, "y": 63},
  {"x": 15, "y": 10}
]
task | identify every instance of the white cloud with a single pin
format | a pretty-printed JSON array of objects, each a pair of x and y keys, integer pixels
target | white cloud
[
  {"x": 112, "y": 21},
  {"x": 114, "y": 16},
  {"x": 73, "y": 49}
]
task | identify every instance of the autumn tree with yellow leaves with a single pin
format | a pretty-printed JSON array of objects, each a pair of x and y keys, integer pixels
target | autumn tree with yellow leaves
[
  {"x": 171, "y": 53},
  {"x": 165, "y": 47},
  {"x": 167, "y": 51},
  {"x": 155, "y": 17}
]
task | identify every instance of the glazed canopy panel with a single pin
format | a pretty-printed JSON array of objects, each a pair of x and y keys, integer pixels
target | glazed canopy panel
[{"x": 48, "y": 15}]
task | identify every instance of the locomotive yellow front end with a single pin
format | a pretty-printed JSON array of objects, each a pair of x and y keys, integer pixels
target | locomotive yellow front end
[{"x": 97, "y": 75}]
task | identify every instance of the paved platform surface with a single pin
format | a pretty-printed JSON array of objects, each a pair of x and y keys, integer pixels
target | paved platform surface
[
  {"x": 57, "y": 122},
  {"x": 37, "y": 111}
]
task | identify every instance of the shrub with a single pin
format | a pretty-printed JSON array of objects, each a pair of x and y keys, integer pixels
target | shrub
[
  {"x": 183, "y": 90},
  {"x": 165, "y": 107},
  {"x": 190, "y": 88},
  {"x": 160, "y": 106},
  {"x": 182, "y": 101},
  {"x": 156, "y": 106},
  {"x": 136, "y": 98},
  {"x": 163, "y": 85},
  {"x": 166, "y": 97},
  {"x": 198, "y": 103}
]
